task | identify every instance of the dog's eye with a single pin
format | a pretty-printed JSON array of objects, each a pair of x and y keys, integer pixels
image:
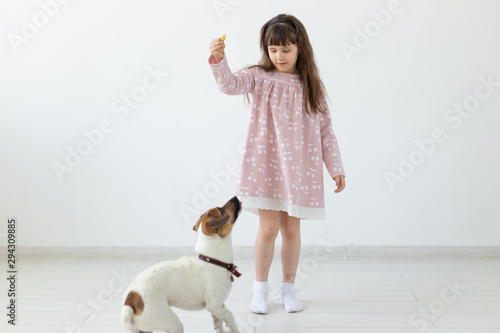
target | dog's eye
[{"x": 221, "y": 210}]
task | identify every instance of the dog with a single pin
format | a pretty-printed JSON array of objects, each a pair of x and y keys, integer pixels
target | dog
[{"x": 189, "y": 283}]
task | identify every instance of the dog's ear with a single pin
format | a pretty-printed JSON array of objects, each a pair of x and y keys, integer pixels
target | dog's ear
[
  {"x": 195, "y": 227},
  {"x": 218, "y": 222}
]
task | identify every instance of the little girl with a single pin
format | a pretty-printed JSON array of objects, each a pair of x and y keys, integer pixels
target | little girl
[{"x": 289, "y": 137}]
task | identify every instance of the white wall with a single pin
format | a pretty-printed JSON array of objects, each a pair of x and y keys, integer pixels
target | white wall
[{"x": 68, "y": 74}]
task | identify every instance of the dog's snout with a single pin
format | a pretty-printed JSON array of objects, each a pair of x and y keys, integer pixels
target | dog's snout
[
  {"x": 235, "y": 200},
  {"x": 236, "y": 206}
]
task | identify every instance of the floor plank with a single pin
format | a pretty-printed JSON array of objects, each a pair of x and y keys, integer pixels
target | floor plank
[{"x": 439, "y": 292}]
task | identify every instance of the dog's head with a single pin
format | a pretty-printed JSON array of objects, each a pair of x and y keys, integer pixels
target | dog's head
[{"x": 219, "y": 220}]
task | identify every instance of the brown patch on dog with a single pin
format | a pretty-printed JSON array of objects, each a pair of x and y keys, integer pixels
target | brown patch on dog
[
  {"x": 218, "y": 220},
  {"x": 134, "y": 300},
  {"x": 209, "y": 224},
  {"x": 225, "y": 230},
  {"x": 195, "y": 227},
  {"x": 231, "y": 209},
  {"x": 212, "y": 220}
]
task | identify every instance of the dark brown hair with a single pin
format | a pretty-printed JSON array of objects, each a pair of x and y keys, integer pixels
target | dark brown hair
[{"x": 283, "y": 34}]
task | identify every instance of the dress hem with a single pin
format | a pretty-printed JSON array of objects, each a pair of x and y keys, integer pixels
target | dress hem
[{"x": 252, "y": 204}]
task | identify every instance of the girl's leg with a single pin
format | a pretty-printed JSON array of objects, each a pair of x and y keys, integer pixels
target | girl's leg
[
  {"x": 290, "y": 252},
  {"x": 290, "y": 246},
  {"x": 264, "y": 243},
  {"x": 264, "y": 252}
]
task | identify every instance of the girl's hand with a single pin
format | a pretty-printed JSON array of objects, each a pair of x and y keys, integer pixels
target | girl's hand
[
  {"x": 340, "y": 182},
  {"x": 217, "y": 49}
]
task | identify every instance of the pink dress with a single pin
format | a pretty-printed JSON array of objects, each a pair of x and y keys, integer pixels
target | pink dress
[{"x": 282, "y": 165}]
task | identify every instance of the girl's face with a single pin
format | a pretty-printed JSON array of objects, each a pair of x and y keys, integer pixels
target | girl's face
[{"x": 284, "y": 57}]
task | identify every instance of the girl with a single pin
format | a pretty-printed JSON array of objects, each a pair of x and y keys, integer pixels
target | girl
[{"x": 289, "y": 137}]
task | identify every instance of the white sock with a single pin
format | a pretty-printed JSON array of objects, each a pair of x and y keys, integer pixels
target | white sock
[
  {"x": 259, "y": 300},
  {"x": 291, "y": 303}
]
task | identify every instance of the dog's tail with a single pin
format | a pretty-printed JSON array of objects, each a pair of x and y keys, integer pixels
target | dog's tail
[
  {"x": 127, "y": 316},
  {"x": 133, "y": 306}
]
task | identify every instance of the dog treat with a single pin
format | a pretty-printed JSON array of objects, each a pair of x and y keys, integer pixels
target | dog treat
[{"x": 223, "y": 37}]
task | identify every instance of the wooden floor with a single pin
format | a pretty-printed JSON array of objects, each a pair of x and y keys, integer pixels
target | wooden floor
[{"x": 378, "y": 290}]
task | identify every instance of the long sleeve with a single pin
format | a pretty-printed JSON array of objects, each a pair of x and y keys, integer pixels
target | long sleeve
[
  {"x": 331, "y": 152},
  {"x": 239, "y": 83}
]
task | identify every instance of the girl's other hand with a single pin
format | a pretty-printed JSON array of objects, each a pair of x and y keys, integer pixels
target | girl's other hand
[
  {"x": 217, "y": 48},
  {"x": 340, "y": 182}
]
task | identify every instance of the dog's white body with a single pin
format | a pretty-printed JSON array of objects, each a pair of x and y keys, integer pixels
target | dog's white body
[{"x": 187, "y": 283}]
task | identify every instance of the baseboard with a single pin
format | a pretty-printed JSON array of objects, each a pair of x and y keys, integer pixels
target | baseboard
[{"x": 326, "y": 250}]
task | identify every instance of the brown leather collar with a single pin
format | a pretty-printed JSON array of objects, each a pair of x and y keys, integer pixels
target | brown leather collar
[{"x": 230, "y": 267}]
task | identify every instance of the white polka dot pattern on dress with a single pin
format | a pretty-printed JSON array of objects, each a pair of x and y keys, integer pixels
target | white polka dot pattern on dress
[{"x": 282, "y": 166}]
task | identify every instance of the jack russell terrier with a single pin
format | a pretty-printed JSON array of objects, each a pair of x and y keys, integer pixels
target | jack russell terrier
[{"x": 189, "y": 283}]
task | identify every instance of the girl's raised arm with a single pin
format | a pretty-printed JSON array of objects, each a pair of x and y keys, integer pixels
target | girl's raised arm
[{"x": 239, "y": 83}]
